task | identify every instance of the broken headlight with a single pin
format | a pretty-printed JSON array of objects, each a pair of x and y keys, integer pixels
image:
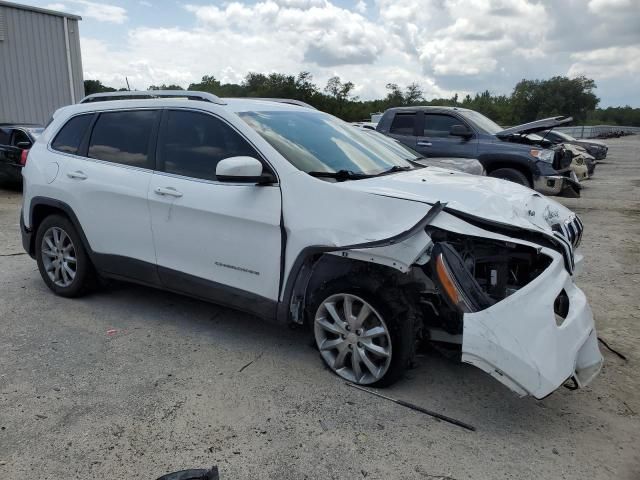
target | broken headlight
[
  {"x": 456, "y": 281},
  {"x": 544, "y": 155},
  {"x": 474, "y": 273}
]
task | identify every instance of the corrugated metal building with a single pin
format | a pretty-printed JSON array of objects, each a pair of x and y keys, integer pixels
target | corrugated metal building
[{"x": 40, "y": 63}]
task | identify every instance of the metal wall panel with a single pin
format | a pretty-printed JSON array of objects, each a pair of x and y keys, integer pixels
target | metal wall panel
[
  {"x": 76, "y": 58},
  {"x": 34, "y": 73}
]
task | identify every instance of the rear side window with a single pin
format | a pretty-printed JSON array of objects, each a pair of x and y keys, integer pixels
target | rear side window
[
  {"x": 123, "y": 137},
  {"x": 403, "y": 124},
  {"x": 70, "y": 136},
  {"x": 439, "y": 125},
  {"x": 193, "y": 143}
]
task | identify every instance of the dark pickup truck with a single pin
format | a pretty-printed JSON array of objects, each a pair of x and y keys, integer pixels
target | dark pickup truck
[
  {"x": 15, "y": 142},
  {"x": 513, "y": 154}
]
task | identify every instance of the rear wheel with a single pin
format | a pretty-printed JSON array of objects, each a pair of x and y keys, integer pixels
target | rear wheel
[
  {"x": 511, "y": 175},
  {"x": 362, "y": 337},
  {"x": 62, "y": 259}
]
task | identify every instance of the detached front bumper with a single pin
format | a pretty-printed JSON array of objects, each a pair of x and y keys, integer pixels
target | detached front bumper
[
  {"x": 525, "y": 345},
  {"x": 557, "y": 185}
]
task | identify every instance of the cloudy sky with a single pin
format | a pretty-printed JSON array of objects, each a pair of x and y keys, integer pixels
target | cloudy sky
[{"x": 446, "y": 46}]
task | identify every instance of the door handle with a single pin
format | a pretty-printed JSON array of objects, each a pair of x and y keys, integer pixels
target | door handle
[
  {"x": 78, "y": 175},
  {"x": 172, "y": 192},
  {"x": 424, "y": 144}
]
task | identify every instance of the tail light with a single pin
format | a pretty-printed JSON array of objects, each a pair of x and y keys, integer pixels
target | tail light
[{"x": 23, "y": 157}]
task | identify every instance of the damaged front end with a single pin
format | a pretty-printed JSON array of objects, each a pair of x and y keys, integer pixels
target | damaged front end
[{"x": 515, "y": 310}]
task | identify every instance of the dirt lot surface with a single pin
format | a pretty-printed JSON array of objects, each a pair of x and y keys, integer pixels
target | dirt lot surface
[{"x": 131, "y": 383}]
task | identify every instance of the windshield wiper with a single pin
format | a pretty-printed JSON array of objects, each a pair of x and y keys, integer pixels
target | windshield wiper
[
  {"x": 340, "y": 175},
  {"x": 394, "y": 169}
]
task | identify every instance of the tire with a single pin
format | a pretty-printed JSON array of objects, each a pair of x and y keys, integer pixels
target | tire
[
  {"x": 388, "y": 309},
  {"x": 58, "y": 241},
  {"x": 511, "y": 175}
]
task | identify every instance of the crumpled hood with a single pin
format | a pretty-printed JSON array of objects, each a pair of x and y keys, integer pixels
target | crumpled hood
[
  {"x": 533, "y": 127},
  {"x": 484, "y": 197}
]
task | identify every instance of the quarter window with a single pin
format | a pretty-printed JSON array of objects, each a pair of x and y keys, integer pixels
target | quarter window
[
  {"x": 123, "y": 137},
  {"x": 193, "y": 143},
  {"x": 70, "y": 136},
  {"x": 403, "y": 124},
  {"x": 439, "y": 125}
]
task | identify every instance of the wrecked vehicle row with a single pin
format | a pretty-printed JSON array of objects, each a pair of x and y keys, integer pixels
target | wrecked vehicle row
[
  {"x": 525, "y": 154},
  {"x": 295, "y": 216}
]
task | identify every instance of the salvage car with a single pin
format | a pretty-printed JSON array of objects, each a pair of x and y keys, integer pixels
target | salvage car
[
  {"x": 582, "y": 165},
  {"x": 295, "y": 216},
  {"x": 15, "y": 142},
  {"x": 509, "y": 154},
  {"x": 595, "y": 148},
  {"x": 467, "y": 165}
]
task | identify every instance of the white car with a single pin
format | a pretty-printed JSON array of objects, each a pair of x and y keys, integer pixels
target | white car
[{"x": 294, "y": 215}]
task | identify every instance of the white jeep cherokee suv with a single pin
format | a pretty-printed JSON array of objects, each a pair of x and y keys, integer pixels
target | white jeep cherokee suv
[{"x": 291, "y": 214}]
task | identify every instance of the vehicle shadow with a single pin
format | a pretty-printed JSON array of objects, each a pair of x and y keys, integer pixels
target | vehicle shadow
[{"x": 437, "y": 383}]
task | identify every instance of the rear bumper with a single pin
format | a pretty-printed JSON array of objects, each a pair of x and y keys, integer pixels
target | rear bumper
[
  {"x": 523, "y": 344},
  {"x": 557, "y": 185},
  {"x": 27, "y": 237}
]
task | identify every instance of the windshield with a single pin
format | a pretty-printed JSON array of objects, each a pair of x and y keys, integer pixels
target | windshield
[
  {"x": 564, "y": 136},
  {"x": 313, "y": 141},
  {"x": 395, "y": 145},
  {"x": 480, "y": 121}
]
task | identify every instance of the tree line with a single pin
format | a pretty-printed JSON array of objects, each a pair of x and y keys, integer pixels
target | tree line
[{"x": 529, "y": 100}]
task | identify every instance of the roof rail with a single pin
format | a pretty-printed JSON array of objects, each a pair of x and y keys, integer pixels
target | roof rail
[
  {"x": 289, "y": 101},
  {"x": 136, "y": 95}
]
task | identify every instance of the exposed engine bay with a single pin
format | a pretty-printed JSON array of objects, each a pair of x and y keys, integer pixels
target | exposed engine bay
[{"x": 470, "y": 274}]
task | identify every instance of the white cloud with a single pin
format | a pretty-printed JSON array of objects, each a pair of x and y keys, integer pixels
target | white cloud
[
  {"x": 607, "y": 63},
  {"x": 102, "y": 12},
  {"x": 56, "y": 6},
  {"x": 446, "y": 46}
]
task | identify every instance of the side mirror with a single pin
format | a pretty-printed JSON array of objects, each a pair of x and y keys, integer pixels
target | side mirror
[
  {"x": 24, "y": 145},
  {"x": 460, "y": 131},
  {"x": 242, "y": 170}
]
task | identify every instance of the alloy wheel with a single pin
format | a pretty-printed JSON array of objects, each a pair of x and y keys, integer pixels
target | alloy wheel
[
  {"x": 59, "y": 257},
  {"x": 353, "y": 338}
]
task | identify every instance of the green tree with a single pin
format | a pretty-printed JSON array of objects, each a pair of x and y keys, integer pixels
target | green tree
[
  {"x": 165, "y": 87},
  {"x": 96, "y": 86}
]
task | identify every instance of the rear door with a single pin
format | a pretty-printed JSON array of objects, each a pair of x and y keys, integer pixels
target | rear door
[
  {"x": 106, "y": 180},
  {"x": 217, "y": 240},
  {"x": 435, "y": 140},
  {"x": 403, "y": 128}
]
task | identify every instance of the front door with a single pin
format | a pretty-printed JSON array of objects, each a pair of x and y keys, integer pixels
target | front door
[
  {"x": 437, "y": 142},
  {"x": 215, "y": 240}
]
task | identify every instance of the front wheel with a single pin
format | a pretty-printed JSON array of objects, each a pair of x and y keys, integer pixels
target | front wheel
[
  {"x": 511, "y": 175},
  {"x": 361, "y": 337}
]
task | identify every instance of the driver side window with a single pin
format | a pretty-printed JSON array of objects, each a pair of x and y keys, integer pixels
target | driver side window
[{"x": 193, "y": 143}]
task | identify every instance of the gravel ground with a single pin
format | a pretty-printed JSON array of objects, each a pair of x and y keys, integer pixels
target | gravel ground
[{"x": 133, "y": 383}]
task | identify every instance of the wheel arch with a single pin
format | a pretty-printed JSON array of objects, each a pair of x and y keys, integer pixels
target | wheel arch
[
  {"x": 492, "y": 165},
  {"x": 43, "y": 207},
  {"x": 292, "y": 295}
]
